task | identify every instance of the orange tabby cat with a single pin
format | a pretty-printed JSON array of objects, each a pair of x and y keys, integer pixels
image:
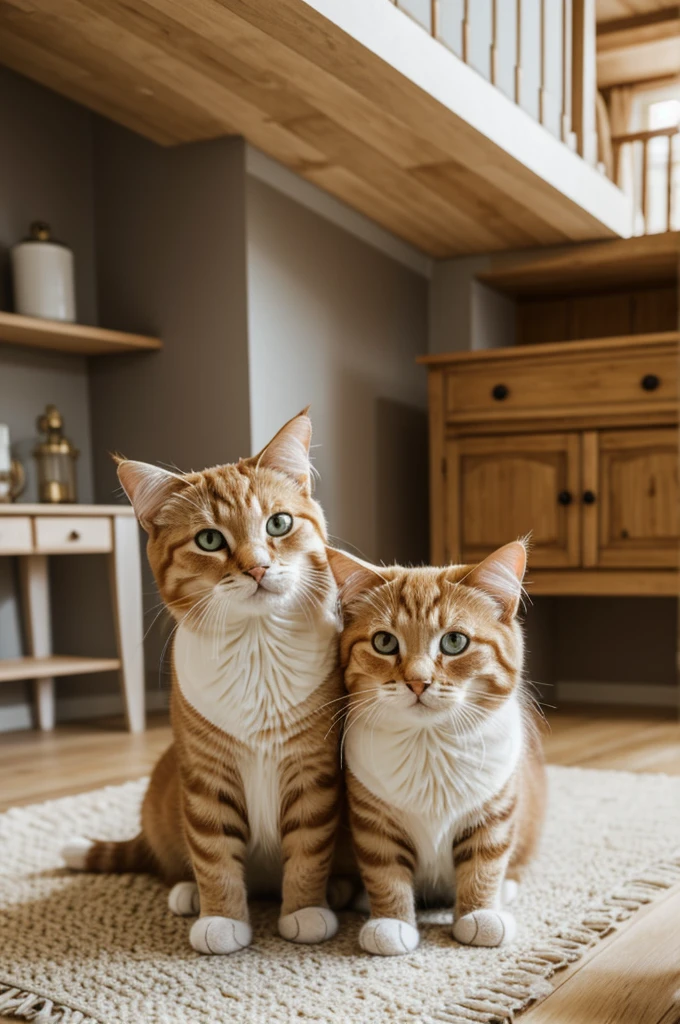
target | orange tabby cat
[
  {"x": 249, "y": 791},
  {"x": 444, "y": 771}
]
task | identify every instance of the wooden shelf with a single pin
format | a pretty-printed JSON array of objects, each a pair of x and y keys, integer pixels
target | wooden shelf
[
  {"x": 54, "y": 665},
  {"x": 598, "y": 266},
  {"x": 77, "y": 339}
]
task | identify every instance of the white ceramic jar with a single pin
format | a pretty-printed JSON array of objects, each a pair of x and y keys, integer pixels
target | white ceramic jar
[
  {"x": 5, "y": 462},
  {"x": 42, "y": 272}
]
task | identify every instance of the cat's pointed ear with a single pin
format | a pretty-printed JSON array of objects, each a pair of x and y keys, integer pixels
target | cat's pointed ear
[
  {"x": 288, "y": 451},
  {"x": 500, "y": 576},
  {"x": 353, "y": 576},
  {"x": 148, "y": 487}
]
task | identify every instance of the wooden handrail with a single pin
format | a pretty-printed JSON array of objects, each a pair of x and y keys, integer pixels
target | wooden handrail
[{"x": 654, "y": 133}]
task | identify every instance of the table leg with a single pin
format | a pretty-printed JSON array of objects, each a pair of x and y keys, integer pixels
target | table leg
[
  {"x": 126, "y": 586},
  {"x": 35, "y": 590}
]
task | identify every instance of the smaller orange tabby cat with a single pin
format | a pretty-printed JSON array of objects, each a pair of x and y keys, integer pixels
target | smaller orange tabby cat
[{"x": 444, "y": 770}]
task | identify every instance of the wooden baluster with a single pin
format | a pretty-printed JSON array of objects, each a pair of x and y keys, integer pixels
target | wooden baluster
[
  {"x": 616, "y": 156},
  {"x": 493, "y": 59},
  {"x": 566, "y": 71},
  {"x": 466, "y": 30},
  {"x": 542, "y": 60},
  {"x": 669, "y": 183},
  {"x": 644, "y": 198},
  {"x": 518, "y": 55},
  {"x": 584, "y": 78},
  {"x": 434, "y": 19}
]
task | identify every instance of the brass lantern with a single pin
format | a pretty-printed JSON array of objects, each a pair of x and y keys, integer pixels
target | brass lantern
[{"x": 56, "y": 459}]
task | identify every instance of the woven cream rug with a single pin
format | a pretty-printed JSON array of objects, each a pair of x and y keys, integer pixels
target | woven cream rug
[{"x": 77, "y": 949}]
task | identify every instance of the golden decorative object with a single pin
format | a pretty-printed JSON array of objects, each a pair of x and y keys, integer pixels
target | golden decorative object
[
  {"x": 15, "y": 477},
  {"x": 56, "y": 459}
]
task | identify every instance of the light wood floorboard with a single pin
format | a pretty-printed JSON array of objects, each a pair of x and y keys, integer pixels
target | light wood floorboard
[{"x": 632, "y": 977}]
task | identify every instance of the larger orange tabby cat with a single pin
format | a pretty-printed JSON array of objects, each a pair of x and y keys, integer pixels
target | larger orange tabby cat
[
  {"x": 444, "y": 770},
  {"x": 250, "y": 788}
]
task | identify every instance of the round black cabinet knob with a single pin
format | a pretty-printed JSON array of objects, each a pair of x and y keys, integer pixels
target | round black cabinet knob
[
  {"x": 650, "y": 382},
  {"x": 564, "y": 497},
  {"x": 500, "y": 392},
  {"x": 588, "y": 497}
]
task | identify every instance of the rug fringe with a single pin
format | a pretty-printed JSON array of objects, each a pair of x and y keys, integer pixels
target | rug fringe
[
  {"x": 28, "y": 1006},
  {"x": 527, "y": 981}
]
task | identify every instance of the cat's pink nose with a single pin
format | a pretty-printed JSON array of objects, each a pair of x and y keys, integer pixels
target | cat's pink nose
[
  {"x": 418, "y": 686},
  {"x": 257, "y": 572}
]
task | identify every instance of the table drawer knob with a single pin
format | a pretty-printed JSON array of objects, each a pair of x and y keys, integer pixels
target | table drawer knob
[
  {"x": 500, "y": 392},
  {"x": 564, "y": 497},
  {"x": 650, "y": 382},
  {"x": 74, "y": 535},
  {"x": 589, "y": 497}
]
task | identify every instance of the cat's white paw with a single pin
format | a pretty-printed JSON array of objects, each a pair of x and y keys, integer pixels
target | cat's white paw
[
  {"x": 387, "y": 936},
  {"x": 219, "y": 935},
  {"x": 75, "y": 852},
  {"x": 509, "y": 891},
  {"x": 183, "y": 899},
  {"x": 308, "y": 925},
  {"x": 485, "y": 928}
]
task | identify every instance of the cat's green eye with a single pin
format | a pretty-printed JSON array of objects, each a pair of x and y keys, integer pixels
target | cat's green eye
[
  {"x": 279, "y": 524},
  {"x": 385, "y": 643},
  {"x": 454, "y": 643},
  {"x": 210, "y": 540}
]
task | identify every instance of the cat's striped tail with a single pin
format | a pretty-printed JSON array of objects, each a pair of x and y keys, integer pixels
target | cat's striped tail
[{"x": 108, "y": 857}]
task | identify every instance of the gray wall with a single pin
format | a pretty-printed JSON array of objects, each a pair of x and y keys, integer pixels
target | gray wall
[
  {"x": 171, "y": 260},
  {"x": 337, "y": 324},
  {"x": 465, "y": 314},
  {"x": 46, "y": 174}
]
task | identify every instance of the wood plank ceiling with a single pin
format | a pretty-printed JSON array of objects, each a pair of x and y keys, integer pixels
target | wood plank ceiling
[
  {"x": 637, "y": 41},
  {"x": 306, "y": 94},
  {"x": 612, "y": 10}
]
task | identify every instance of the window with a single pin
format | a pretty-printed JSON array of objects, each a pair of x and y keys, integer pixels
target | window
[{"x": 660, "y": 110}]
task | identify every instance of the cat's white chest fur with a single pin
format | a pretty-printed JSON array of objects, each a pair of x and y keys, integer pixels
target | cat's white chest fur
[
  {"x": 434, "y": 780},
  {"x": 246, "y": 681},
  {"x": 247, "y": 678}
]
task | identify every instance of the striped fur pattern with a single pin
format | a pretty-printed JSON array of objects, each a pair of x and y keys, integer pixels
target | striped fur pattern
[
  {"x": 248, "y": 795},
  {"x": 444, "y": 772}
]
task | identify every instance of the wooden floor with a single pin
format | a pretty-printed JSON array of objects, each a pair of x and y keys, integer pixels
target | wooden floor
[{"x": 632, "y": 977}]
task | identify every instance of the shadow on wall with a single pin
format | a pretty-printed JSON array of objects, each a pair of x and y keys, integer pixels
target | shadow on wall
[{"x": 401, "y": 483}]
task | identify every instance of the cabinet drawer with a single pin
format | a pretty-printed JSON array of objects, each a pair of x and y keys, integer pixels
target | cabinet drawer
[
  {"x": 573, "y": 380},
  {"x": 16, "y": 536},
  {"x": 57, "y": 534}
]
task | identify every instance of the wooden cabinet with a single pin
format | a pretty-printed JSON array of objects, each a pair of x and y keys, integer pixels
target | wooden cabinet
[
  {"x": 575, "y": 444},
  {"x": 508, "y": 486},
  {"x": 639, "y": 498}
]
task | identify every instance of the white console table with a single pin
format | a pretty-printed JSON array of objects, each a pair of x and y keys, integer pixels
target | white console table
[{"x": 33, "y": 532}]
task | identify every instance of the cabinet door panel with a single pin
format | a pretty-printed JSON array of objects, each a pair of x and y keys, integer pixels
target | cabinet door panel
[
  {"x": 639, "y": 519},
  {"x": 501, "y": 488}
]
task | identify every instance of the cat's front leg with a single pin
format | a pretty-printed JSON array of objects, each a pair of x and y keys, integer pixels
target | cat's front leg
[
  {"x": 310, "y": 790},
  {"x": 387, "y": 863},
  {"x": 216, "y": 830},
  {"x": 480, "y": 859}
]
